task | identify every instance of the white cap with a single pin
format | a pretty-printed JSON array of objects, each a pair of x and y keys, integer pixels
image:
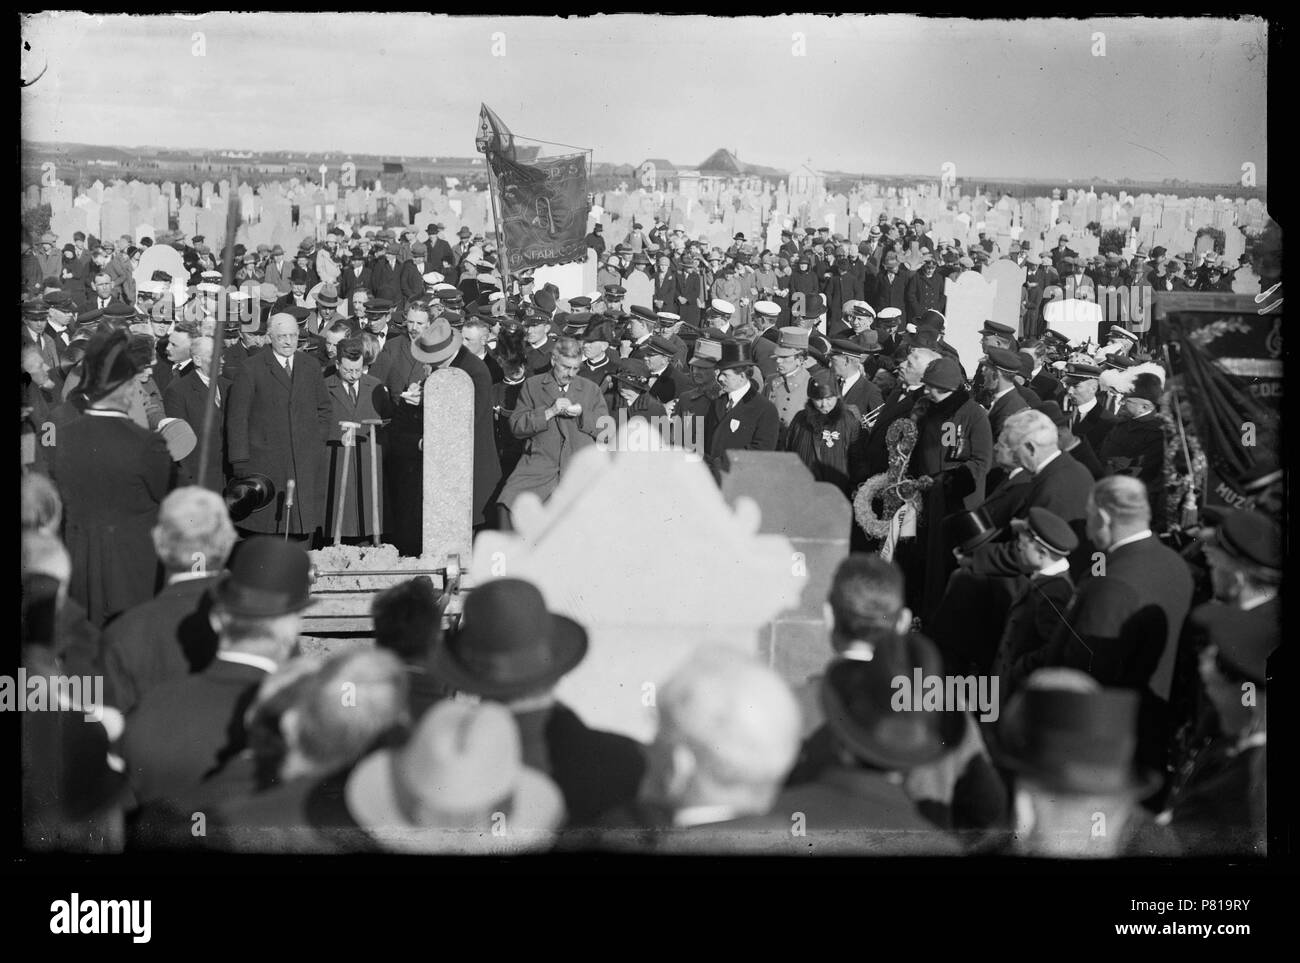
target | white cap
[
  {"x": 495, "y": 296},
  {"x": 849, "y": 306},
  {"x": 769, "y": 309},
  {"x": 153, "y": 287},
  {"x": 239, "y": 295},
  {"x": 433, "y": 277},
  {"x": 207, "y": 287},
  {"x": 211, "y": 274},
  {"x": 886, "y": 313},
  {"x": 444, "y": 287},
  {"x": 724, "y": 307},
  {"x": 668, "y": 317}
]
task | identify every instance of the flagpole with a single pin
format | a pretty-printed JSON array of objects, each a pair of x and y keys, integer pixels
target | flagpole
[{"x": 499, "y": 228}]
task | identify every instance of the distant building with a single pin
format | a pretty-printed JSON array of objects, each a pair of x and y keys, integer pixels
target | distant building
[
  {"x": 806, "y": 181},
  {"x": 657, "y": 174}
]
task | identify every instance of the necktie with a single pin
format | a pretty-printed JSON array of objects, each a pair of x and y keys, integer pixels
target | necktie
[
  {"x": 288, "y": 366},
  {"x": 352, "y": 390}
]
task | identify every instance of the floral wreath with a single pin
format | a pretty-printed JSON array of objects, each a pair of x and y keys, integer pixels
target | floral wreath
[{"x": 892, "y": 487}]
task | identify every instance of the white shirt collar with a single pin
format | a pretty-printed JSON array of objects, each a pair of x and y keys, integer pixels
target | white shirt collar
[
  {"x": 1056, "y": 568},
  {"x": 1003, "y": 392},
  {"x": 736, "y": 395},
  {"x": 1050, "y": 458},
  {"x": 106, "y": 413},
  {"x": 699, "y": 815},
  {"x": 1082, "y": 410},
  {"x": 1145, "y": 533},
  {"x": 244, "y": 658},
  {"x": 850, "y": 381}
]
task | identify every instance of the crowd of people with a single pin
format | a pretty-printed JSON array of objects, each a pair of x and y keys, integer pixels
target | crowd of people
[{"x": 1009, "y": 524}]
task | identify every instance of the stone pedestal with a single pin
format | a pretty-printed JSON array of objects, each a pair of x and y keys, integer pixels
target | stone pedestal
[
  {"x": 679, "y": 568},
  {"x": 448, "y": 464}
]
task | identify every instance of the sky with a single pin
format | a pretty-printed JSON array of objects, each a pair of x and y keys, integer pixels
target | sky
[{"x": 1146, "y": 99}]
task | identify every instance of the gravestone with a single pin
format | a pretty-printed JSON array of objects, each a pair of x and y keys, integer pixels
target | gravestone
[
  {"x": 1204, "y": 245},
  {"x": 1234, "y": 245},
  {"x": 187, "y": 220},
  {"x": 448, "y": 515},
  {"x": 91, "y": 212},
  {"x": 1009, "y": 278},
  {"x": 115, "y": 218},
  {"x": 64, "y": 224},
  {"x": 970, "y": 304},
  {"x": 726, "y": 579}
]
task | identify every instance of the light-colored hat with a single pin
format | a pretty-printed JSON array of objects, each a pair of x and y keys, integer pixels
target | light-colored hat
[
  {"x": 769, "y": 309},
  {"x": 793, "y": 340},
  {"x": 723, "y": 307},
  {"x": 462, "y": 760},
  {"x": 433, "y": 277},
  {"x": 667, "y": 317},
  {"x": 886, "y": 313}
]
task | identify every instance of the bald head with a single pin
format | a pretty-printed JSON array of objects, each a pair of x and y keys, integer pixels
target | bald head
[{"x": 728, "y": 734}]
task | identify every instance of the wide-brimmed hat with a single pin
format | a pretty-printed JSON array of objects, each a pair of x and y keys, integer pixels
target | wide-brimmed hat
[
  {"x": 462, "y": 759},
  {"x": 633, "y": 373},
  {"x": 248, "y": 494},
  {"x": 268, "y": 577},
  {"x": 508, "y": 644},
  {"x": 436, "y": 343},
  {"x": 858, "y": 698},
  {"x": 1074, "y": 742}
]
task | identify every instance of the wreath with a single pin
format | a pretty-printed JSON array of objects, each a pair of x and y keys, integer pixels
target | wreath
[{"x": 892, "y": 487}]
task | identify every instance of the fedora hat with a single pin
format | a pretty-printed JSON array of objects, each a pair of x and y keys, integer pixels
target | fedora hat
[
  {"x": 508, "y": 644},
  {"x": 735, "y": 354},
  {"x": 248, "y": 494},
  {"x": 967, "y": 531},
  {"x": 461, "y": 760},
  {"x": 436, "y": 343},
  {"x": 857, "y": 698},
  {"x": 1074, "y": 742},
  {"x": 268, "y": 577}
]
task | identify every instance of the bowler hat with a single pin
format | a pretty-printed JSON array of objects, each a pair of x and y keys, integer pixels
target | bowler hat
[
  {"x": 268, "y": 577},
  {"x": 859, "y": 699},
  {"x": 1074, "y": 742},
  {"x": 967, "y": 531},
  {"x": 509, "y": 644}
]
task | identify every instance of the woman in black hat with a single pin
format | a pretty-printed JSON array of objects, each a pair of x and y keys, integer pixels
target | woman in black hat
[
  {"x": 633, "y": 380},
  {"x": 824, "y": 435}
]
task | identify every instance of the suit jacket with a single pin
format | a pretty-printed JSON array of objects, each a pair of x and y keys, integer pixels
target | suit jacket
[
  {"x": 890, "y": 294},
  {"x": 278, "y": 274},
  {"x": 1007, "y": 500},
  {"x": 752, "y": 425},
  {"x": 111, "y": 474},
  {"x": 278, "y": 427},
  {"x": 357, "y": 503},
  {"x": 922, "y": 294},
  {"x": 666, "y": 292},
  {"x": 898, "y": 405},
  {"x": 350, "y": 281},
  {"x": 187, "y": 729},
  {"x": 1004, "y": 408},
  {"x": 165, "y": 638},
  {"x": 186, "y": 398},
  {"x": 596, "y": 771},
  {"x": 410, "y": 279},
  {"x": 864, "y": 395},
  {"x": 1095, "y": 425},
  {"x": 384, "y": 283},
  {"x": 1036, "y": 614},
  {"x": 1062, "y": 487},
  {"x": 1124, "y": 624},
  {"x": 441, "y": 259},
  {"x": 551, "y": 444}
]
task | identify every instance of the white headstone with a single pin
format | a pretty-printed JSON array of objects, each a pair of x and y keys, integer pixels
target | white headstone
[{"x": 970, "y": 304}]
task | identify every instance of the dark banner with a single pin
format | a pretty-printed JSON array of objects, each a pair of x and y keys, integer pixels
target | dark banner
[
  {"x": 544, "y": 210},
  {"x": 1227, "y": 361}
]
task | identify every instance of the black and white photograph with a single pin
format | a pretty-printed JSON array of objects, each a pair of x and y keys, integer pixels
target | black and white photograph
[{"x": 623, "y": 439}]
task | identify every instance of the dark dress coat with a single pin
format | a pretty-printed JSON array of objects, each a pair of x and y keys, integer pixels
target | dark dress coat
[
  {"x": 112, "y": 475},
  {"x": 186, "y": 398},
  {"x": 165, "y": 638},
  {"x": 277, "y": 427},
  {"x": 1036, "y": 615},
  {"x": 357, "y": 505},
  {"x": 187, "y": 729},
  {"x": 828, "y": 445},
  {"x": 752, "y": 425}
]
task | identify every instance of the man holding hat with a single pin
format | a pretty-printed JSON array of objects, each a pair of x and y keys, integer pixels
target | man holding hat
[
  {"x": 112, "y": 474},
  {"x": 186, "y": 727},
  {"x": 1135, "y": 446}
]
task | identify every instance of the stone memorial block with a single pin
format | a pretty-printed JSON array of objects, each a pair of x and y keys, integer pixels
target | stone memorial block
[
  {"x": 32, "y": 195},
  {"x": 970, "y": 304},
  {"x": 66, "y": 223},
  {"x": 1086, "y": 244},
  {"x": 448, "y": 515},
  {"x": 187, "y": 220},
  {"x": 726, "y": 580},
  {"x": 90, "y": 209},
  {"x": 816, "y": 518},
  {"x": 857, "y": 230},
  {"x": 115, "y": 218},
  {"x": 205, "y": 194},
  {"x": 1204, "y": 245},
  {"x": 96, "y": 190},
  {"x": 1008, "y": 278},
  {"x": 1077, "y": 320},
  {"x": 211, "y": 225},
  {"x": 160, "y": 257},
  {"x": 1234, "y": 245}
]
